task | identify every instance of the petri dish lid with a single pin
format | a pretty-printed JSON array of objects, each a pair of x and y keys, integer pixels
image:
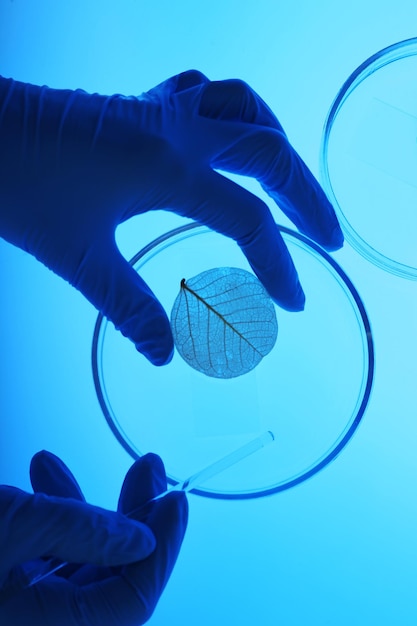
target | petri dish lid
[
  {"x": 368, "y": 158},
  {"x": 311, "y": 391}
]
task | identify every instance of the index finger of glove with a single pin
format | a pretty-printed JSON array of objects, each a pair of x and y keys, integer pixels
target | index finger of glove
[
  {"x": 144, "y": 480},
  {"x": 222, "y": 205},
  {"x": 168, "y": 521}
]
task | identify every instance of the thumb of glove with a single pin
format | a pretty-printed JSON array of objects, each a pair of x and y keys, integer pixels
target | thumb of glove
[{"x": 118, "y": 292}]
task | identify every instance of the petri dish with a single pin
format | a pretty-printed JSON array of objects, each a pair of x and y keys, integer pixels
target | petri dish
[
  {"x": 310, "y": 391},
  {"x": 368, "y": 158}
]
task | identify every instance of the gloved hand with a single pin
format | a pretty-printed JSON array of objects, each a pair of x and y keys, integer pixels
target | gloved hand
[
  {"x": 129, "y": 562},
  {"x": 73, "y": 166}
]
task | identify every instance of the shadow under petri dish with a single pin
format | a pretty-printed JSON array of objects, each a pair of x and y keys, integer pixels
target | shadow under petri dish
[
  {"x": 368, "y": 158},
  {"x": 311, "y": 391}
]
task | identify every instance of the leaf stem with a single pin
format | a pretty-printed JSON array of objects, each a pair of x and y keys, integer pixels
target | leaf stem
[{"x": 213, "y": 310}]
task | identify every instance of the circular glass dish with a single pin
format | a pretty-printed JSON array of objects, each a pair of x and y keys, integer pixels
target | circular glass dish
[
  {"x": 311, "y": 391},
  {"x": 368, "y": 158}
]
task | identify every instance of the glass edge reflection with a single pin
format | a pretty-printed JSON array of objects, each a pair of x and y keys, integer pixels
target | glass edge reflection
[{"x": 387, "y": 55}]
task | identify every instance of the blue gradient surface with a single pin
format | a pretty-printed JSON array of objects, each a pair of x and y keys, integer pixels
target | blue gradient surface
[{"x": 341, "y": 548}]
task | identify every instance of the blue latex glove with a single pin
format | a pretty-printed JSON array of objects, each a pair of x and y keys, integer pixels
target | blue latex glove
[
  {"x": 73, "y": 166},
  {"x": 130, "y": 561}
]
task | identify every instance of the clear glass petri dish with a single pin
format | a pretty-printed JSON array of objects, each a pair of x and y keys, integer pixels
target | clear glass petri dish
[
  {"x": 368, "y": 158},
  {"x": 311, "y": 391}
]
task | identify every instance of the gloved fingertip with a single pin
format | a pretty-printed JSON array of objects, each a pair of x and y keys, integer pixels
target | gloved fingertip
[
  {"x": 336, "y": 240},
  {"x": 299, "y": 298},
  {"x": 157, "y": 354},
  {"x": 190, "y": 78},
  {"x": 293, "y": 301},
  {"x": 131, "y": 541},
  {"x": 329, "y": 235},
  {"x": 143, "y": 540},
  {"x": 180, "y": 498},
  {"x": 40, "y": 457},
  {"x": 40, "y": 461},
  {"x": 145, "y": 479},
  {"x": 156, "y": 475},
  {"x": 50, "y": 475},
  {"x": 177, "y": 503},
  {"x": 155, "y": 462}
]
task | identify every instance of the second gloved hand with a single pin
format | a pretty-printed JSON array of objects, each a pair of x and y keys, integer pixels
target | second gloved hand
[{"x": 118, "y": 567}]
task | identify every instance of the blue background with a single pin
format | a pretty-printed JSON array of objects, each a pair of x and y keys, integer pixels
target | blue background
[{"x": 339, "y": 549}]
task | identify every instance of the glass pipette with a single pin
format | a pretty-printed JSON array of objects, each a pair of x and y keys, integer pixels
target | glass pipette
[{"x": 53, "y": 565}]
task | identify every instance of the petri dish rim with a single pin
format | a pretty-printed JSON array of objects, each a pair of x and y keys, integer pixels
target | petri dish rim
[
  {"x": 382, "y": 58},
  {"x": 100, "y": 388}
]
